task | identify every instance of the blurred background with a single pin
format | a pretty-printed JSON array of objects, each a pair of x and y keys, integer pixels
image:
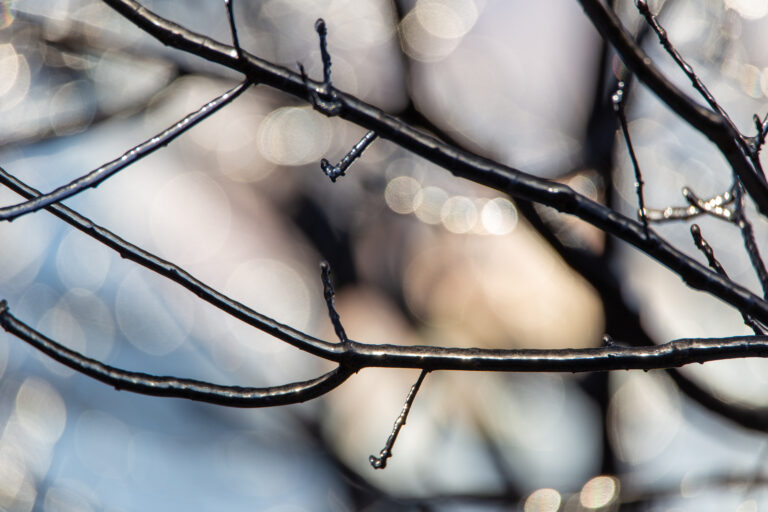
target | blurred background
[{"x": 418, "y": 257}]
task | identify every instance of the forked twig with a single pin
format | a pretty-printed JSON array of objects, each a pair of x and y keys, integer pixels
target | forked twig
[{"x": 380, "y": 462}]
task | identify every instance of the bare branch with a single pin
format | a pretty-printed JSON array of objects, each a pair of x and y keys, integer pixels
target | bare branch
[
  {"x": 480, "y": 170},
  {"x": 142, "y": 383},
  {"x": 380, "y": 462},
  {"x": 711, "y": 124},
  {"x": 95, "y": 177}
]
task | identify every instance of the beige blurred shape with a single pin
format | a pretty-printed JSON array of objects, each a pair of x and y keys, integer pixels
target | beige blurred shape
[{"x": 501, "y": 291}]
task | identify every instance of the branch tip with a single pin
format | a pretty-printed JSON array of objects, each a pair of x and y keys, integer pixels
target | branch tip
[
  {"x": 380, "y": 462},
  {"x": 329, "y": 293}
]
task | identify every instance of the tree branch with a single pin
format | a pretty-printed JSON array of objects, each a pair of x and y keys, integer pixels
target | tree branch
[
  {"x": 142, "y": 383},
  {"x": 465, "y": 164},
  {"x": 95, "y": 177},
  {"x": 711, "y": 124}
]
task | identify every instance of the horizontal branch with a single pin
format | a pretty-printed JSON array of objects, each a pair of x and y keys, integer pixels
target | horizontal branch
[
  {"x": 175, "y": 273},
  {"x": 668, "y": 355},
  {"x": 459, "y": 162},
  {"x": 358, "y": 355},
  {"x": 145, "y": 384},
  {"x": 97, "y": 176}
]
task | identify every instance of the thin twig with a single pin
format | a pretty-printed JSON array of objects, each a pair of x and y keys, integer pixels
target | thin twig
[
  {"x": 147, "y": 147},
  {"x": 750, "y": 150},
  {"x": 322, "y": 33},
  {"x": 328, "y": 293},
  {"x": 334, "y": 171},
  {"x": 618, "y": 106},
  {"x": 716, "y": 206},
  {"x": 748, "y": 235},
  {"x": 706, "y": 249},
  {"x": 233, "y": 28},
  {"x": 653, "y": 22},
  {"x": 380, "y": 462},
  {"x": 142, "y": 383}
]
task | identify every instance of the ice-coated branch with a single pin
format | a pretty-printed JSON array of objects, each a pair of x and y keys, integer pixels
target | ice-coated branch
[
  {"x": 175, "y": 273},
  {"x": 380, "y": 462},
  {"x": 481, "y": 170},
  {"x": 706, "y": 249},
  {"x": 618, "y": 106},
  {"x": 145, "y": 384},
  {"x": 710, "y": 124},
  {"x": 334, "y": 171},
  {"x": 97, "y": 176}
]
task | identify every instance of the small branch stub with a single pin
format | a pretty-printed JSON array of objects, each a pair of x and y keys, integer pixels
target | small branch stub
[
  {"x": 328, "y": 292},
  {"x": 334, "y": 171}
]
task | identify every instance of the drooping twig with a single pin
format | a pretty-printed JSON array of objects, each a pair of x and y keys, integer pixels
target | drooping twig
[
  {"x": 618, "y": 106},
  {"x": 233, "y": 28},
  {"x": 380, "y": 462},
  {"x": 328, "y": 292},
  {"x": 231, "y": 396},
  {"x": 706, "y": 249},
  {"x": 100, "y": 174},
  {"x": 334, "y": 171}
]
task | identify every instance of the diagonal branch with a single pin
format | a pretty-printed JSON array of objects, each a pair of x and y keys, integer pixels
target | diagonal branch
[
  {"x": 95, "y": 177},
  {"x": 480, "y": 170}
]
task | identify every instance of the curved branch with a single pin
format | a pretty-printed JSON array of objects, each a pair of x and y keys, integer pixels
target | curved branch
[
  {"x": 142, "y": 383},
  {"x": 712, "y": 124},
  {"x": 462, "y": 163},
  {"x": 177, "y": 274},
  {"x": 95, "y": 177}
]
